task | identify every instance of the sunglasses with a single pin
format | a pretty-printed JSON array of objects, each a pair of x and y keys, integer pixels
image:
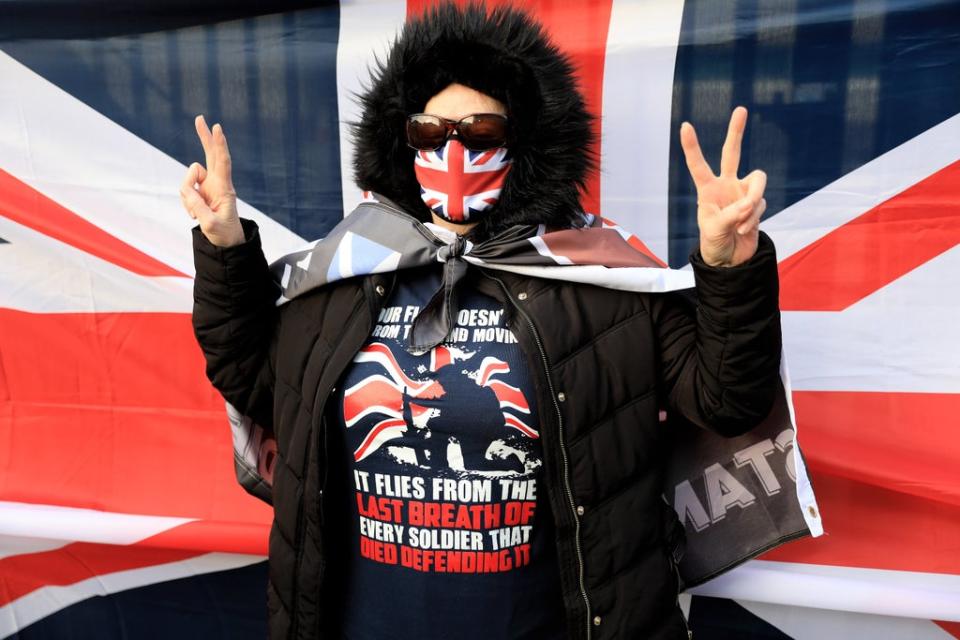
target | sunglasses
[{"x": 478, "y": 131}]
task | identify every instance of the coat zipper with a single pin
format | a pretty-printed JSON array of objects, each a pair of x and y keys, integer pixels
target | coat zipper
[
  {"x": 295, "y": 622},
  {"x": 563, "y": 449},
  {"x": 324, "y": 454},
  {"x": 374, "y": 312}
]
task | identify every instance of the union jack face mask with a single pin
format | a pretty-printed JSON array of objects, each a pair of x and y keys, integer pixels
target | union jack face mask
[{"x": 460, "y": 184}]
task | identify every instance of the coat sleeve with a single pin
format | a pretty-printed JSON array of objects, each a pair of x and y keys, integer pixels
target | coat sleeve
[
  {"x": 720, "y": 354},
  {"x": 235, "y": 320}
]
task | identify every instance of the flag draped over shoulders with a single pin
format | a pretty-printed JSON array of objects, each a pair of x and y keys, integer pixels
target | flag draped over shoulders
[{"x": 377, "y": 237}]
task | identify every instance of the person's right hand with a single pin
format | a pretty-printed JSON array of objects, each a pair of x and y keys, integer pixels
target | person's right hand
[{"x": 214, "y": 202}]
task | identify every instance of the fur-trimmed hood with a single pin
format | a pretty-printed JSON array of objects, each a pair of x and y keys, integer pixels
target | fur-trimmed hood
[{"x": 505, "y": 54}]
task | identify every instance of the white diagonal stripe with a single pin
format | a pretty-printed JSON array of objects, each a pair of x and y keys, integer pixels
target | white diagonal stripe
[
  {"x": 46, "y": 136},
  {"x": 893, "y": 340},
  {"x": 51, "y": 522},
  {"x": 862, "y": 189},
  {"x": 544, "y": 250},
  {"x": 637, "y": 102},
  {"x": 39, "y": 274},
  {"x": 910, "y": 594},
  {"x": 366, "y": 30}
]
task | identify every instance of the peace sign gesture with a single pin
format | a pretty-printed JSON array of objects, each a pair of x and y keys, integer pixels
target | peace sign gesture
[
  {"x": 207, "y": 192},
  {"x": 728, "y": 208}
]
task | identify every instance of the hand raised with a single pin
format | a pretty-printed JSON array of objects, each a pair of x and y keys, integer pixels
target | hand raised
[
  {"x": 728, "y": 208},
  {"x": 207, "y": 192}
]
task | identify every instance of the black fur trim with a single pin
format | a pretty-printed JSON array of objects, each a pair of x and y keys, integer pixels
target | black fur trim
[{"x": 505, "y": 54}]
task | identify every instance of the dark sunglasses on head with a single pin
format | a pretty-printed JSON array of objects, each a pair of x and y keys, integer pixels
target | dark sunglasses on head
[{"x": 478, "y": 131}]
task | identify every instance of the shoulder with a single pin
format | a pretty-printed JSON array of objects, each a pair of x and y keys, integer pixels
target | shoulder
[
  {"x": 594, "y": 305},
  {"x": 340, "y": 299}
]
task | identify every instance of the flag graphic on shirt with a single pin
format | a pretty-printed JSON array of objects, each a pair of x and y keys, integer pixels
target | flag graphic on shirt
[
  {"x": 383, "y": 397},
  {"x": 446, "y": 460},
  {"x": 390, "y": 398},
  {"x": 116, "y": 479}
]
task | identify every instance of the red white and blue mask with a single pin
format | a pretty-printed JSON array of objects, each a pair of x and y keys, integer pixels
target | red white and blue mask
[{"x": 459, "y": 184}]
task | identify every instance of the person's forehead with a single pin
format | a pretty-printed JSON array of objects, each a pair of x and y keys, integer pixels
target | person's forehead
[{"x": 456, "y": 101}]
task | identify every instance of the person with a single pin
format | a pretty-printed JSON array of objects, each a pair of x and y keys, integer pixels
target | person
[{"x": 503, "y": 482}]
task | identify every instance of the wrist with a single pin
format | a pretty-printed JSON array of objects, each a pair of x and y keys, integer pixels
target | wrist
[
  {"x": 714, "y": 262},
  {"x": 740, "y": 250},
  {"x": 229, "y": 236},
  {"x": 762, "y": 251},
  {"x": 712, "y": 256}
]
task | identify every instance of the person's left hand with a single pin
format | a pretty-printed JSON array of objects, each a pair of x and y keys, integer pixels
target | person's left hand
[{"x": 728, "y": 208}]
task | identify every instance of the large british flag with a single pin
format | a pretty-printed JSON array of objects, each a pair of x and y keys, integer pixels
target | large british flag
[{"x": 119, "y": 513}]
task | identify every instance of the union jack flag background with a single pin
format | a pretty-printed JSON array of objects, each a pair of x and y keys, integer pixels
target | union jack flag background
[{"x": 120, "y": 515}]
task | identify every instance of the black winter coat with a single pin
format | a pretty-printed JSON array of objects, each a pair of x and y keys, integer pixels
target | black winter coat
[{"x": 604, "y": 363}]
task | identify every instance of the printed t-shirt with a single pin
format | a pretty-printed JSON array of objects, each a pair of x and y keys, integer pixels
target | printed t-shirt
[{"x": 451, "y": 533}]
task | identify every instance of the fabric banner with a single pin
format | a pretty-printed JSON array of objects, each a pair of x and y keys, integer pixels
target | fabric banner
[
  {"x": 734, "y": 494},
  {"x": 117, "y": 484}
]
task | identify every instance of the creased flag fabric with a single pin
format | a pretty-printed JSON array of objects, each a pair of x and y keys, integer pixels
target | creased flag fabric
[{"x": 120, "y": 514}]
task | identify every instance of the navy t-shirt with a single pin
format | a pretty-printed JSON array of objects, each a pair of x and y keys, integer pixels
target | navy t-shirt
[{"x": 451, "y": 533}]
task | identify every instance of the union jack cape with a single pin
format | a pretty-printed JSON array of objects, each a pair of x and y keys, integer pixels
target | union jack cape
[{"x": 377, "y": 237}]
